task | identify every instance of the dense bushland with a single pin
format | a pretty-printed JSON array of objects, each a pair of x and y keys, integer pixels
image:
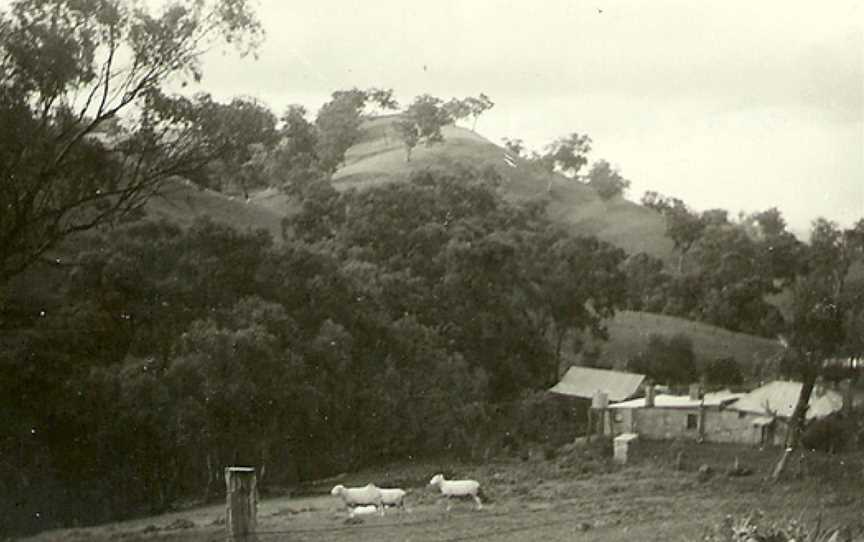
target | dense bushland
[{"x": 388, "y": 324}]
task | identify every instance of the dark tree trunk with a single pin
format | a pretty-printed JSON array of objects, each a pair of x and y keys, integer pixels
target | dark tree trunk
[
  {"x": 796, "y": 424},
  {"x": 556, "y": 364}
]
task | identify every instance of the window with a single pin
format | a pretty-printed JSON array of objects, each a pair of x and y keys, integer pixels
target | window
[
  {"x": 692, "y": 421},
  {"x": 741, "y": 415}
]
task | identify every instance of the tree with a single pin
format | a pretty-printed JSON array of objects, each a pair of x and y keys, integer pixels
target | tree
[
  {"x": 67, "y": 68},
  {"x": 422, "y": 121},
  {"x": 383, "y": 98},
  {"x": 294, "y": 162},
  {"x": 409, "y": 134},
  {"x": 646, "y": 283},
  {"x": 669, "y": 360},
  {"x": 579, "y": 285},
  {"x": 770, "y": 222},
  {"x": 724, "y": 372},
  {"x": 606, "y": 180},
  {"x": 477, "y": 106},
  {"x": 734, "y": 281},
  {"x": 338, "y": 123},
  {"x": 457, "y": 109},
  {"x": 781, "y": 251},
  {"x": 248, "y": 128},
  {"x": 715, "y": 217},
  {"x": 816, "y": 329},
  {"x": 515, "y": 146},
  {"x": 566, "y": 154},
  {"x": 683, "y": 226}
]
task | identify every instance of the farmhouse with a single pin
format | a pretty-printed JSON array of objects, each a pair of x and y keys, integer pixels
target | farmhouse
[
  {"x": 760, "y": 417},
  {"x": 663, "y": 416}
]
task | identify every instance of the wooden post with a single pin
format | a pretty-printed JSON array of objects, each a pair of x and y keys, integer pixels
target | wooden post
[{"x": 242, "y": 504}]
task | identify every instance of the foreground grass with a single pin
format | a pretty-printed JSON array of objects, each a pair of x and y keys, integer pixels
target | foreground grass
[{"x": 573, "y": 496}]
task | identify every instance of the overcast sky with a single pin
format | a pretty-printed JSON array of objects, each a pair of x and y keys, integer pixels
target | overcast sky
[{"x": 742, "y": 105}]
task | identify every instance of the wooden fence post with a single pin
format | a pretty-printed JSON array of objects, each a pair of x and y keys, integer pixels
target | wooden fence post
[{"x": 242, "y": 504}]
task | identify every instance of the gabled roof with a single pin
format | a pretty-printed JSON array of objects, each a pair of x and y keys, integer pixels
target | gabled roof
[
  {"x": 716, "y": 399},
  {"x": 778, "y": 398},
  {"x": 584, "y": 382}
]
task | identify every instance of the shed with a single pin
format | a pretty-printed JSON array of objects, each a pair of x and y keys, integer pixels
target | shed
[
  {"x": 766, "y": 411},
  {"x": 778, "y": 399},
  {"x": 585, "y": 382}
]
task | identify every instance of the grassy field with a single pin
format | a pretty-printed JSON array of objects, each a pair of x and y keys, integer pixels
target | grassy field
[
  {"x": 629, "y": 332},
  {"x": 576, "y": 495},
  {"x": 181, "y": 203}
]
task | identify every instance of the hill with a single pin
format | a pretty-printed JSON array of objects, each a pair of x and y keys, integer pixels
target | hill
[
  {"x": 629, "y": 332},
  {"x": 179, "y": 202},
  {"x": 379, "y": 157},
  {"x": 182, "y": 202}
]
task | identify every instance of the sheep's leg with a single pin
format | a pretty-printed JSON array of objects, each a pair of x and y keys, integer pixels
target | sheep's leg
[
  {"x": 449, "y": 504},
  {"x": 477, "y": 500},
  {"x": 381, "y": 508}
]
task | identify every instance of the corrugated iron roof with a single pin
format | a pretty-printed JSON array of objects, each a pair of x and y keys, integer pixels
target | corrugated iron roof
[
  {"x": 584, "y": 382},
  {"x": 715, "y": 399},
  {"x": 778, "y": 398}
]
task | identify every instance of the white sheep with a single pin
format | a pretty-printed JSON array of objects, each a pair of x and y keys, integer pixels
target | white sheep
[
  {"x": 458, "y": 489},
  {"x": 363, "y": 510},
  {"x": 359, "y": 496},
  {"x": 393, "y": 497}
]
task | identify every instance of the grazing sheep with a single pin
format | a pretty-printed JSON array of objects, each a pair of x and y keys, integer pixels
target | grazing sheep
[
  {"x": 363, "y": 510},
  {"x": 458, "y": 489},
  {"x": 393, "y": 497},
  {"x": 359, "y": 496}
]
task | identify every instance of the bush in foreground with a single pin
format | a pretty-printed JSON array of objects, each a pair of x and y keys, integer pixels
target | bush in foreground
[{"x": 755, "y": 528}]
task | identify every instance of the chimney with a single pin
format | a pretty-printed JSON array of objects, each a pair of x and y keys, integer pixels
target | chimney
[
  {"x": 649, "y": 395},
  {"x": 848, "y": 396},
  {"x": 695, "y": 392}
]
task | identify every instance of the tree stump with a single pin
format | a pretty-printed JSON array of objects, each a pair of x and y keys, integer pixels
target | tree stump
[{"x": 242, "y": 504}]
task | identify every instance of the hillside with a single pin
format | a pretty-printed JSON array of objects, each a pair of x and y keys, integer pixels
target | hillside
[
  {"x": 181, "y": 203},
  {"x": 380, "y": 157},
  {"x": 629, "y": 332}
]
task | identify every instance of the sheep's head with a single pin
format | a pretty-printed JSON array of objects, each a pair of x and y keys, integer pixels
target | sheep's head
[
  {"x": 337, "y": 490},
  {"x": 436, "y": 480}
]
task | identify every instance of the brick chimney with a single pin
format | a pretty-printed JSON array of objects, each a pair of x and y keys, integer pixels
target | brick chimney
[
  {"x": 649, "y": 395},
  {"x": 695, "y": 392},
  {"x": 848, "y": 392}
]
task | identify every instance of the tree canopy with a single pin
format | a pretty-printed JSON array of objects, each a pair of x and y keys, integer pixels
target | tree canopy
[
  {"x": 566, "y": 154},
  {"x": 606, "y": 180},
  {"x": 422, "y": 122},
  {"x": 67, "y": 68}
]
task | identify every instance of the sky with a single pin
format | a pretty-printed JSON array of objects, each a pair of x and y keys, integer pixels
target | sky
[{"x": 736, "y": 104}]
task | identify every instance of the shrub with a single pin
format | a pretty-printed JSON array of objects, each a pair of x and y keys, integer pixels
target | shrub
[
  {"x": 828, "y": 434},
  {"x": 754, "y": 527},
  {"x": 669, "y": 360},
  {"x": 724, "y": 372}
]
